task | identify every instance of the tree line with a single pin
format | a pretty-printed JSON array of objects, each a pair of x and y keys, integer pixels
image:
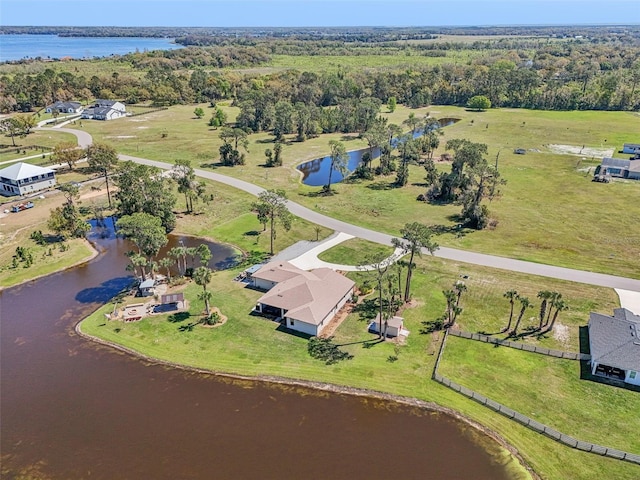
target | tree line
[{"x": 600, "y": 74}]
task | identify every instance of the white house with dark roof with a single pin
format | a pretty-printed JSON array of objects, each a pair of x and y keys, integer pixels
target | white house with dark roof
[
  {"x": 23, "y": 178},
  {"x": 64, "y": 107},
  {"x": 105, "y": 110},
  {"x": 305, "y": 301},
  {"x": 614, "y": 342}
]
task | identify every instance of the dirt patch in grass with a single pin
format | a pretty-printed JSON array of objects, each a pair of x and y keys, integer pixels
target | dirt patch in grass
[
  {"x": 580, "y": 150},
  {"x": 561, "y": 333}
]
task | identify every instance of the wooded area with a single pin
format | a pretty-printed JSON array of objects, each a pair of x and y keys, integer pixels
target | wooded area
[{"x": 553, "y": 68}]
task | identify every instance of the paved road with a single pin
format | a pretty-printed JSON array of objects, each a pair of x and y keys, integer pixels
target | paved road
[
  {"x": 580, "y": 276},
  {"x": 464, "y": 256}
]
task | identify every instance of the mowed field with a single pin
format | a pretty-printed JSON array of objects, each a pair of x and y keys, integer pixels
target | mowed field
[{"x": 548, "y": 212}]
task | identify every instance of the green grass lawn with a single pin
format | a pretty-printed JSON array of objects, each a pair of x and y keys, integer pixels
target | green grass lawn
[
  {"x": 355, "y": 252},
  {"x": 28, "y": 144},
  {"x": 47, "y": 259},
  {"x": 549, "y": 210},
  {"x": 546, "y": 389},
  {"x": 251, "y": 345},
  {"x": 409, "y": 59}
]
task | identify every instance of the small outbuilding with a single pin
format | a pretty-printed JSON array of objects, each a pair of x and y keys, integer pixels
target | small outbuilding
[
  {"x": 172, "y": 301},
  {"x": 23, "y": 178},
  {"x": 395, "y": 326},
  {"x": 615, "y": 345},
  {"x": 147, "y": 287}
]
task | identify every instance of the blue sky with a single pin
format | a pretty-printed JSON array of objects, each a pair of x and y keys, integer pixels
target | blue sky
[{"x": 286, "y": 13}]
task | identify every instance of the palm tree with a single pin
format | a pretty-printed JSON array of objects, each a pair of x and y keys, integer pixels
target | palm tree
[
  {"x": 525, "y": 303},
  {"x": 202, "y": 277},
  {"x": 166, "y": 263},
  {"x": 545, "y": 295},
  {"x": 459, "y": 288},
  {"x": 178, "y": 253},
  {"x": 555, "y": 296},
  {"x": 204, "y": 253},
  {"x": 512, "y": 295},
  {"x": 137, "y": 260},
  {"x": 205, "y": 296},
  {"x": 452, "y": 309},
  {"x": 560, "y": 305}
]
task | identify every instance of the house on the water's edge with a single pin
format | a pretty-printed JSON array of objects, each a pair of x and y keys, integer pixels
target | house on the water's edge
[
  {"x": 614, "y": 343},
  {"x": 619, "y": 168},
  {"x": 105, "y": 110},
  {"x": 64, "y": 107},
  {"x": 305, "y": 301},
  {"x": 23, "y": 178}
]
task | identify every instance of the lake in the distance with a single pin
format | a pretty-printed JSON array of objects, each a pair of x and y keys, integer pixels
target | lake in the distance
[{"x": 18, "y": 47}]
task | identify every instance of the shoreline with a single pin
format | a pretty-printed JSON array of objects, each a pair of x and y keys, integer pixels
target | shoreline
[
  {"x": 94, "y": 253},
  {"x": 323, "y": 387}
]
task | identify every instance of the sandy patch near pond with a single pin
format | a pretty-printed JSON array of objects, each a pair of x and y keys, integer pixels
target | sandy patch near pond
[{"x": 580, "y": 150}]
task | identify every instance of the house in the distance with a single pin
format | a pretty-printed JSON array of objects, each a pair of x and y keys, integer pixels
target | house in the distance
[
  {"x": 619, "y": 168},
  {"x": 64, "y": 107},
  {"x": 614, "y": 343},
  {"x": 631, "y": 148},
  {"x": 304, "y": 301},
  {"x": 105, "y": 110},
  {"x": 23, "y": 178}
]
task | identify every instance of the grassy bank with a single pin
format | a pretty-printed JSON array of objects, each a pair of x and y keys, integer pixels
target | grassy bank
[
  {"x": 549, "y": 211},
  {"x": 250, "y": 345},
  {"x": 48, "y": 257}
]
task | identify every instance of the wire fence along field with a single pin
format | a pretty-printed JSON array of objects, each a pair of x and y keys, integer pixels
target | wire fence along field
[
  {"x": 518, "y": 417},
  {"x": 521, "y": 346}
]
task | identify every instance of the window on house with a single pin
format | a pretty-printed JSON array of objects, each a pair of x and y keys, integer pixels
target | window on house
[
  {"x": 632, "y": 374},
  {"x": 291, "y": 322}
]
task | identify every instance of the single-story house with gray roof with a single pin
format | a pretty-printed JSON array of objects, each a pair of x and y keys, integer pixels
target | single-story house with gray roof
[
  {"x": 64, "y": 107},
  {"x": 614, "y": 343},
  {"x": 23, "y": 178},
  {"x": 619, "y": 168},
  {"x": 305, "y": 301},
  {"x": 631, "y": 148}
]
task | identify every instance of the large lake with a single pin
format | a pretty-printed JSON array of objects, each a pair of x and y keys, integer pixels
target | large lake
[
  {"x": 72, "y": 409},
  {"x": 17, "y": 47}
]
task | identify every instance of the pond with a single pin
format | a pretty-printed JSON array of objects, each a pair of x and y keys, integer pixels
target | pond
[
  {"x": 315, "y": 173},
  {"x": 74, "y": 409}
]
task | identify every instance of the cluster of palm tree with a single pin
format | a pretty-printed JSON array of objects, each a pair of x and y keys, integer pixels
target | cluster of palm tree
[
  {"x": 181, "y": 258},
  {"x": 551, "y": 304},
  {"x": 453, "y": 302}
]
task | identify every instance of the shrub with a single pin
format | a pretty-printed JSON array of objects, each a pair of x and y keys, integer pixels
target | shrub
[{"x": 324, "y": 349}]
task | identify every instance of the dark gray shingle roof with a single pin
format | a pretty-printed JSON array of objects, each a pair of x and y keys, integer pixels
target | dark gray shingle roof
[
  {"x": 615, "y": 162},
  {"x": 614, "y": 340}
]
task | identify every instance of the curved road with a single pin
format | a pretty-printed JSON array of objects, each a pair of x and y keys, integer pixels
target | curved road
[
  {"x": 580, "y": 276},
  {"x": 465, "y": 256}
]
